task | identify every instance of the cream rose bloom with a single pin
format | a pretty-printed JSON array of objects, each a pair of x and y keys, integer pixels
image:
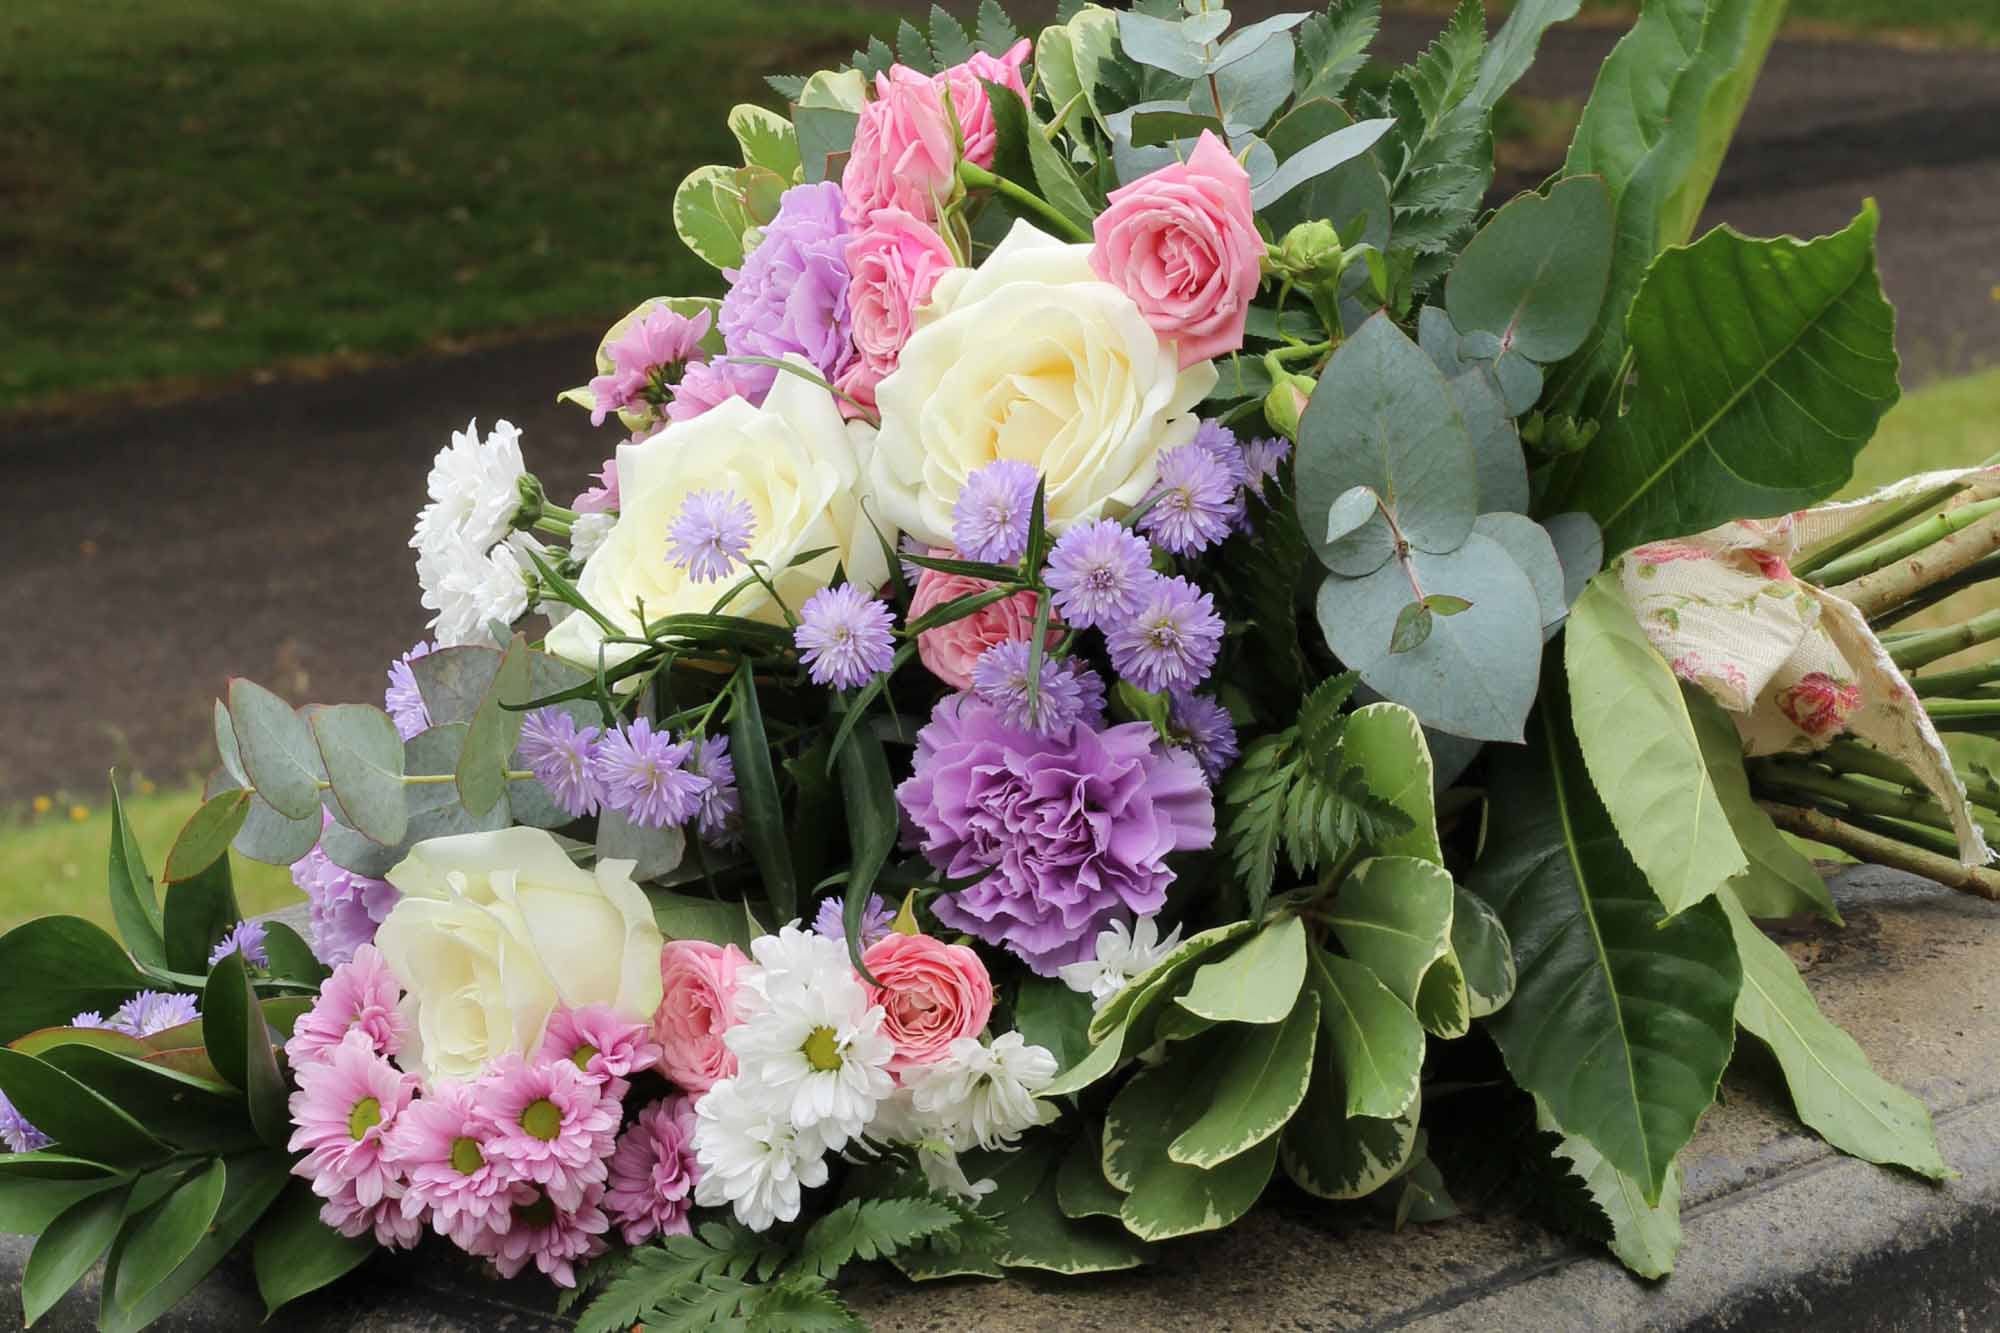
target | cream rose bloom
[
  {"x": 494, "y": 930},
  {"x": 1031, "y": 357},
  {"x": 797, "y": 464}
]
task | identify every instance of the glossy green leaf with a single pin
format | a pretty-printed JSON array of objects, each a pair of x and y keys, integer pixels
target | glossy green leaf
[
  {"x": 1049, "y": 1014},
  {"x": 1164, "y": 1198},
  {"x": 1255, "y": 1081},
  {"x": 74, "y": 1241},
  {"x": 277, "y": 750},
  {"x": 291, "y": 957},
  {"x": 494, "y": 731},
  {"x": 239, "y": 1042},
  {"x": 872, "y": 826},
  {"x": 681, "y": 917},
  {"x": 1534, "y": 276},
  {"x": 1443, "y": 1006},
  {"x": 1081, "y": 1189},
  {"x": 1645, "y": 760},
  {"x": 1833, "y": 1088},
  {"x": 251, "y": 1182},
  {"x": 1375, "y": 1040},
  {"x": 191, "y": 1112},
  {"x": 1780, "y": 880},
  {"x": 162, "y": 1238},
  {"x": 60, "y": 966},
  {"x": 294, "y": 1252},
  {"x": 766, "y": 138},
  {"x": 710, "y": 216},
  {"x": 363, "y": 756},
  {"x": 1763, "y": 367},
  {"x": 1258, "y": 982},
  {"x": 763, "y": 812},
  {"x": 28, "y": 1206},
  {"x": 1393, "y": 916},
  {"x": 81, "y": 1121},
  {"x": 1037, "y": 1234},
  {"x": 1485, "y": 956},
  {"x": 1127, "y": 1020},
  {"x": 1646, "y": 1236},
  {"x": 200, "y": 911},
  {"x": 1623, "y": 1020},
  {"x": 1335, "y": 1155},
  {"x": 1387, "y": 741},
  {"x": 134, "y": 907}
]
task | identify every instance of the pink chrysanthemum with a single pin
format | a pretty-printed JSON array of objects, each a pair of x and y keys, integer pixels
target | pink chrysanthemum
[
  {"x": 345, "y": 1107},
  {"x": 607, "y": 1048},
  {"x": 437, "y": 1146},
  {"x": 550, "y": 1123},
  {"x": 653, "y": 1172},
  {"x": 393, "y": 1228},
  {"x": 361, "y": 995},
  {"x": 552, "y": 1238}
]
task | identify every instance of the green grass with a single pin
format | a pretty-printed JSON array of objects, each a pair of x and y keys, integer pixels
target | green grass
[
  {"x": 54, "y": 861},
  {"x": 204, "y": 187}
]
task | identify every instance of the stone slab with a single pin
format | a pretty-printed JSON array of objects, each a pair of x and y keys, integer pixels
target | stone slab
[{"x": 1782, "y": 1232}]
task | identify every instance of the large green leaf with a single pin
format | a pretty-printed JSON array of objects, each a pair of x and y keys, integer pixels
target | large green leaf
[
  {"x": 1387, "y": 741},
  {"x": 1645, "y": 1235},
  {"x": 63, "y": 1253},
  {"x": 1164, "y": 1198},
  {"x": 1485, "y": 956},
  {"x": 187, "y": 1110},
  {"x": 200, "y": 911},
  {"x": 239, "y": 1042},
  {"x": 134, "y": 907},
  {"x": 57, "y": 967},
  {"x": 1763, "y": 368},
  {"x": 1645, "y": 760},
  {"x": 1853, "y": 1108},
  {"x": 162, "y": 1238},
  {"x": 1780, "y": 879},
  {"x": 1648, "y": 132},
  {"x": 1255, "y": 1082},
  {"x": 1623, "y": 1020},
  {"x": 1375, "y": 1041},
  {"x": 1393, "y": 916},
  {"x": 1534, "y": 275},
  {"x": 1339, "y": 1156},
  {"x": 251, "y": 1181},
  {"x": 80, "y": 1120},
  {"x": 294, "y": 1252},
  {"x": 763, "y": 812},
  {"x": 1258, "y": 982}
]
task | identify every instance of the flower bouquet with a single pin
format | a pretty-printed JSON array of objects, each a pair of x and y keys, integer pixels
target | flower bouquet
[{"x": 1090, "y": 690}]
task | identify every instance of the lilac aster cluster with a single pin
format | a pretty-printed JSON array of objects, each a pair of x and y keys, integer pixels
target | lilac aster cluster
[
  {"x": 346, "y": 907},
  {"x": 1066, "y": 692},
  {"x": 790, "y": 296},
  {"x": 720, "y": 819},
  {"x": 402, "y": 701},
  {"x": 246, "y": 938},
  {"x": 711, "y": 534},
  {"x": 995, "y": 507},
  {"x": 16, "y": 1134},
  {"x": 1261, "y": 461},
  {"x": 1199, "y": 498},
  {"x": 831, "y": 923},
  {"x": 146, "y": 1013},
  {"x": 1171, "y": 642},
  {"x": 563, "y": 758},
  {"x": 1074, "y": 830},
  {"x": 1096, "y": 573},
  {"x": 1204, "y": 727},
  {"x": 843, "y": 636},
  {"x": 646, "y": 778}
]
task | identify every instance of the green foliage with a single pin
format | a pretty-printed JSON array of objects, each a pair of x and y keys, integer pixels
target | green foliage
[
  {"x": 1645, "y": 1235},
  {"x": 1780, "y": 880},
  {"x": 493, "y": 730},
  {"x": 1333, "y": 46},
  {"x": 1763, "y": 367},
  {"x": 1534, "y": 276},
  {"x": 763, "y": 812},
  {"x": 1255, "y": 1082},
  {"x": 133, "y": 904},
  {"x": 1393, "y": 916},
  {"x": 1440, "y": 154},
  {"x": 58, "y": 966},
  {"x": 1257, "y": 983},
  {"x": 869, "y": 1229},
  {"x": 1165, "y": 1198}
]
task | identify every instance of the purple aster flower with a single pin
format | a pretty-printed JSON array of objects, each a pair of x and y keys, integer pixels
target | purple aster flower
[
  {"x": 1197, "y": 500},
  {"x": 843, "y": 636},
  {"x": 1063, "y": 695},
  {"x": 246, "y": 938},
  {"x": 711, "y": 534},
  {"x": 153, "y": 1011},
  {"x": 89, "y": 1018},
  {"x": 1204, "y": 726},
  {"x": 645, "y": 776},
  {"x": 1070, "y": 833},
  {"x": 346, "y": 907},
  {"x": 1171, "y": 642},
  {"x": 402, "y": 701},
  {"x": 15, "y": 1131},
  {"x": 1261, "y": 461},
  {"x": 790, "y": 296},
  {"x": 563, "y": 758},
  {"x": 722, "y": 804},
  {"x": 875, "y": 918},
  {"x": 996, "y": 504},
  {"x": 1096, "y": 572}
]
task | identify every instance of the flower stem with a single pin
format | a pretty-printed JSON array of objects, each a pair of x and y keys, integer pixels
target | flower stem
[
  {"x": 1902, "y": 545},
  {"x": 978, "y": 178},
  {"x": 1980, "y": 571},
  {"x": 1875, "y": 528},
  {"x": 1956, "y": 682},
  {"x": 1910, "y": 574},
  {"x": 1797, "y": 779},
  {"x": 1927, "y": 646},
  {"x": 1883, "y": 850}
]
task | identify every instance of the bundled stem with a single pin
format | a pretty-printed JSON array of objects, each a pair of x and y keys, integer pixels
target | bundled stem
[
  {"x": 1927, "y": 646},
  {"x": 1810, "y": 565},
  {"x": 1883, "y": 850},
  {"x": 1902, "y": 545},
  {"x": 1978, "y": 572},
  {"x": 1938, "y": 557},
  {"x": 1796, "y": 780}
]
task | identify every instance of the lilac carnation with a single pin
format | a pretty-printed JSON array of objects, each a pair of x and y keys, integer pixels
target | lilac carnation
[
  {"x": 1067, "y": 692},
  {"x": 720, "y": 817},
  {"x": 1172, "y": 642},
  {"x": 1204, "y": 726},
  {"x": 1096, "y": 572},
  {"x": 831, "y": 923},
  {"x": 1198, "y": 499},
  {"x": 1075, "y": 830},
  {"x": 711, "y": 534},
  {"x": 791, "y": 293},
  {"x": 246, "y": 938},
  {"x": 346, "y": 907},
  {"x": 843, "y": 636},
  {"x": 402, "y": 701},
  {"x": 995, "y": 506},
  {"x": 563, "y": 758},
  {"x": 646, "y": 778}
]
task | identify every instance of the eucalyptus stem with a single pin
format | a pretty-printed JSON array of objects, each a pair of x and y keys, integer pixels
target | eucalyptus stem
[
  {"x": 1903, "y": 579},
  {"x": 1853, "y": 540},
  {"x": 979, "y": 178},
  {"x": 1883, "y": 850},
  {"x": 1926, "y": 646},
  {"x": 1903, "y": 544}
]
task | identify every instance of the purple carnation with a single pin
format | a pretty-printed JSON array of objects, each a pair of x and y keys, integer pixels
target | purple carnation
[
  {"x": 1172, "y": 642},
  {"x": 1067, "y": 692},
  {"x": 720, "y": 817},
  {"x": 1096, "y": 573},
  {"x": 1206, "y": 729},
  {"x": 1199, "y": 497},
  {"x": 831, "y": 923},
  {"x": 645, "y": 776},
  {"x": 1074, "y": 830},
  {"x": 843, "y": 636},
  {"x": 402, "y": 701},
  {"x": 346, "y": 907},
  {"x": 246, "y": 938},
  {"x": 790, "y": 296},
  {"x": 995, "y": 506},
  {"x": 563, "y": 758}
]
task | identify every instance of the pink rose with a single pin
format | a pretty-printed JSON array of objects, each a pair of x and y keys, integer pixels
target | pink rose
[
  {"x": 698, "y": 981},
  {"x": 950, "y": 651},
  {"x": 973, "y": 107},
  {"x": 1182, "y": 243},
  {"x": 903, "y": 153},
  {"x": 894, "y": 262},
  {"x": 932, "y": 993},
  {"x": 1819, "y": 705}
]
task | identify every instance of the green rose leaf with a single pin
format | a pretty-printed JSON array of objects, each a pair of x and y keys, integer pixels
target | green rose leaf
[
  {"x": 1534, "y": 276},
  {"x": 277, "y": 750},
  {"x": 1257, "y": 983}
]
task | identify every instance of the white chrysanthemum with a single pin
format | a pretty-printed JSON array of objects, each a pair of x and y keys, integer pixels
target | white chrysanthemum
[
  {"x": 813, "y": 1048},
  {"x": 468, "y": 588},
  {"x": 753, "y": 1157},
  {"x": 985, "y": 1095},
  {"x": 1121, "y": 955},
  {"x": 475, "y": 489},
  {"x": 793, "y": 958},
  {"x": 586, "y": 533},
  {"x": 898, "y": 1123}
]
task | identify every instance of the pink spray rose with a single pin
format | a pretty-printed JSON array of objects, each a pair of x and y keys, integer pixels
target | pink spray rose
[
  {"x": 1182, "y": 243},
  {"x": 951, "y": 651},
  {"x": 894, "y": 261},
  {"x": 969, "y": 101},
  {"x": 697, "y": 1006},
  {"x": 904, "y": 155},
  {"x": 932, "y": 993}
]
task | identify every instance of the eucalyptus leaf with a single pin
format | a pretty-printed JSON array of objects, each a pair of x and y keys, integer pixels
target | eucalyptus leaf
[
  {"x": 654, "y": 852},
  {"x": 452, "y": 681},
  {"x": 1535, "y": 274},
  {"x": 1319, "y": 158},
  {"x": 493, "y": 732},
  {"x": 1248, "y": 87},
  {"x": 363, "y": 757},
  {"x": 1579, "y": 544},
  {"x": 273, "y": 838},
  {"x": 1161, "y": 44},
  {"x": 1496, "y": 442},
  {"x": 1528, "y": 544},
  {"x": 277, "y": 749}
]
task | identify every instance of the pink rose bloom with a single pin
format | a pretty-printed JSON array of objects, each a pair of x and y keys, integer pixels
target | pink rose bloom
[
  {"x": 696, "y": 1008},
  {"x": 894, "y": 262},
  {"x": 974, "y": 108},
  {"x": 932, "y": 993},
  {"x": 951, "y": 651},
  {"x": 903, "y": 155},
  {"x": 1182, "y": 243}
]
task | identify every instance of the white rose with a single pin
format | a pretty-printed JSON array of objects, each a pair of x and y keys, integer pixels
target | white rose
[
  {"x": 494, "y": 930},
  {"x": 1030, "y": 357},
  {"x": 796, "y": 463}
]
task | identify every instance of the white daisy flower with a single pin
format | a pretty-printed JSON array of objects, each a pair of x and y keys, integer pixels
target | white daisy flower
[
  {"x": 812, "y": 1046},
  {"x": 753, "y": 1157},
  {"x": 898, "y": 1123},
  {"x": 475, "y": 489},
  {"x": 1122, "y": 954},
  {"x": 794, "y": 958},
  {"x": 983, "y": 1094}
]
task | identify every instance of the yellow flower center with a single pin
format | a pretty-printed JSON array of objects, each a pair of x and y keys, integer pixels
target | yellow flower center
[
  {"x": 583, "y": 1056},
  {"x": 821, "y": 1050},
  {"x": 367, "y": 1114},
  {"x": 465, "y": 1156},
  {"x": 542, "y": 1119}
]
